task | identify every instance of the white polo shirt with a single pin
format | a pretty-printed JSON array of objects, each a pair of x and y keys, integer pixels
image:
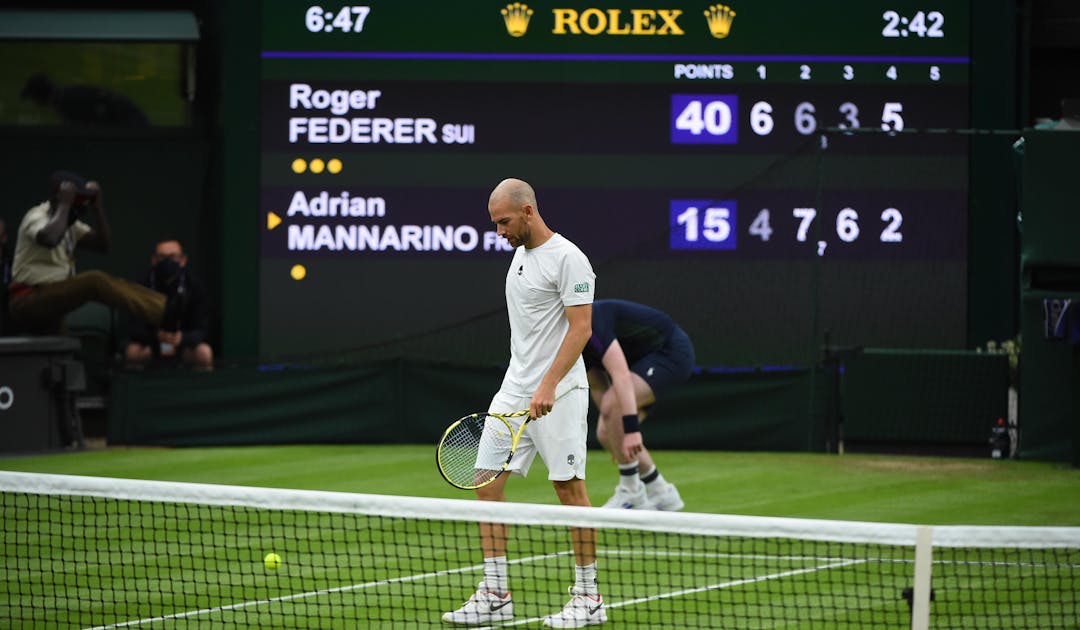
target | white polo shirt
[
  {"x": 540, "y": 283},
  {"x": 36, "y": 264}
]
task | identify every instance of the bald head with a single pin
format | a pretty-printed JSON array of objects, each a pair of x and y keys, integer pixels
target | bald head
[
  {"x": 512, "y": 207},
  {"x": 515, "y": 192}
]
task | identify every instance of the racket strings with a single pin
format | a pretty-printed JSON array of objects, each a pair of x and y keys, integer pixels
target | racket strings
[{"x": 475, "y": 438}]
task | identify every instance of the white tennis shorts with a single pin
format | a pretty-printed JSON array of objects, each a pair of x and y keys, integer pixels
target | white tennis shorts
[{"x": 559, "y": 437}]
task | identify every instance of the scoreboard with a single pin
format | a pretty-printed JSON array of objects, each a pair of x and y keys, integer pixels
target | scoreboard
[{"x": 763, "y": 171}]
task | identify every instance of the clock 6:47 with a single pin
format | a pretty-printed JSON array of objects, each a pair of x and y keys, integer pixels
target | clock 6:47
[{"x": 347, "y": 20}]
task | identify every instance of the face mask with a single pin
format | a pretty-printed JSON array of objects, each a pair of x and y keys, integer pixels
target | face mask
[{"x": 165, "y": 274}]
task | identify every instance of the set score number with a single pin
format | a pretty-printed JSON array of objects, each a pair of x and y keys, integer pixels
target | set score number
[
  {"x": 711, "y": 118},
  {"x": 704, "y": 224}
]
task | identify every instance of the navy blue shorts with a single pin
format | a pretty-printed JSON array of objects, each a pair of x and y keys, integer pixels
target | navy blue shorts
[{"x": 669, "y": 366}]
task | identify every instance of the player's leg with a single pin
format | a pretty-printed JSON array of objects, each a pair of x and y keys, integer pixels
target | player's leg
[
  {"x": 586, "y": 605},
  {"x": 583, "y": 539},
  {"x": 493, "y": 535},
  {"x": 646, "y": 398},
  {"x": 660, "y": 371},
  {"x": 629, "y": 491},
  {"x": 561, "y": 441},
  {"x": 609, "y": 434},
  {"x": 492, "y": 601}
]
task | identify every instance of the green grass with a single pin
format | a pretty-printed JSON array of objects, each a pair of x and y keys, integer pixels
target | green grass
[{"x": 341, "y": 571}]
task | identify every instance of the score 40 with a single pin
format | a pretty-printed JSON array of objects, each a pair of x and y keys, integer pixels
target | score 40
[{"x": 711, "y": 118}]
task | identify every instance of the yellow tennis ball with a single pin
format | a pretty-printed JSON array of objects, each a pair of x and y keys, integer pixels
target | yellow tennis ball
[{"x": 272, "y": 561}]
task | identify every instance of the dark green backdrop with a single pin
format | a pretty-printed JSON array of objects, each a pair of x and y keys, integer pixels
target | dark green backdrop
[
  {"x": 1050, "y": 367},
  {"x": 201, "y": 184}
]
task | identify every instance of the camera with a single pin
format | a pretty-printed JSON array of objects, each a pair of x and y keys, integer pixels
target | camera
[
  {"x": 80, "y": 205},
  {"x": 84, "y": 197}
]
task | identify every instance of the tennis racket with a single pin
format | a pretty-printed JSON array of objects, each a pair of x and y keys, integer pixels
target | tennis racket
[{"x": 485, "y": 433}]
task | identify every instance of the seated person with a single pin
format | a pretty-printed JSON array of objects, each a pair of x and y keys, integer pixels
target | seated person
[
  {"x": 45, "y": 286},
  {"x": 168, "y": 274}
]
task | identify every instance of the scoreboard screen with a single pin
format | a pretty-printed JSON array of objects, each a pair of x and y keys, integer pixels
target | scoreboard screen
[{"x": 764, "y": 172}]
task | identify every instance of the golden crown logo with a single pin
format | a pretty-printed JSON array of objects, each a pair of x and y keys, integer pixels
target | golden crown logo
[
  {"x": 719, "y": 17},
  {"x": 516, "y": 16}
]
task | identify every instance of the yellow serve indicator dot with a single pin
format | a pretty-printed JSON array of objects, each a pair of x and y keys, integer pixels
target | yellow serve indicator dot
[
  {"x": 298, "y": 272},
  {"x": 299, "y": 165},
  {"x": 334, "y": 166},
  {"x": 317, "y": 165}
]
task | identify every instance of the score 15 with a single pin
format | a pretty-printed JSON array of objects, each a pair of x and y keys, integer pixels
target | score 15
[{"x": 702, "y": 224}]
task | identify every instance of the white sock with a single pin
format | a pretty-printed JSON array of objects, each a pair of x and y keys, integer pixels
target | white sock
[
  {"x": 628, "y": 476},
  {"x": 585, "y": 584},
  {"x": 652, "y": 476},
  {"x": 496, "y": 579}
]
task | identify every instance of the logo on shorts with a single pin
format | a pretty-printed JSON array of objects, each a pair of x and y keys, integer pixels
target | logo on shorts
[{"x": 570, "y": 459}]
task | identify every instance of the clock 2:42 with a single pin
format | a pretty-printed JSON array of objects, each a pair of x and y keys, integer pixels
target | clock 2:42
[{"x": 921, "y": 24}]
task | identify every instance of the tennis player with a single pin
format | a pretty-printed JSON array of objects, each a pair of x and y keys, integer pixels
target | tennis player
[
  {"x": 549, "y": 294},
  {"x": 635, "y": 352}
]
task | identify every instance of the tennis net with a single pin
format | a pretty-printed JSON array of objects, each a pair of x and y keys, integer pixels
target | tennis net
[{"x": 86, "y": 552}]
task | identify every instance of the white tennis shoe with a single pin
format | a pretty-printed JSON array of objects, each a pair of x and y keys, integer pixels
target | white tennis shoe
[
  {"x": 580, "y": 611},
  {"x": 664, "y": 496},
  {"x": 627, "y": 500},
  {"x": 483, "y": 607}
]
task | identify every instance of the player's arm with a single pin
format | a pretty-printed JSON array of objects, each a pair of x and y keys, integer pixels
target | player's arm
[
  {"x": 580, "y": 318},
  {"x": 622, "y": 385}
]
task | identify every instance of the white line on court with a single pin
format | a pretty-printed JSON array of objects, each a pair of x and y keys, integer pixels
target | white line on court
[
  {"x": 699, "y": 589},
  {"x": 325, "y": 591},
  {"x": 422, "y": 576}
]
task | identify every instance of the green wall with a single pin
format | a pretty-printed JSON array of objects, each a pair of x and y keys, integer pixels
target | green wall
[
  {"x": 1050, "y": 269},
  {"x": 412, "y": 402},
  {"x": 992, "y": 238}
]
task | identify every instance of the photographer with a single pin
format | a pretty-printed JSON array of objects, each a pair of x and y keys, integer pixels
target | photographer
[
  {"x": 44, "y": 284},
  {"x": 169, "y": 274}
]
